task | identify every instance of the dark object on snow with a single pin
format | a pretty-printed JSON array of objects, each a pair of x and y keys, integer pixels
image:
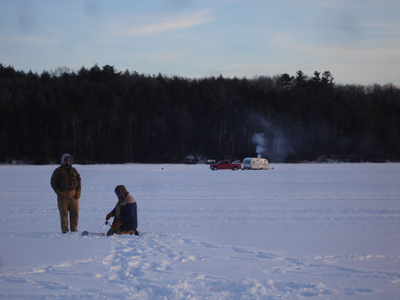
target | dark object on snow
[{"x": 92, "y": 233}]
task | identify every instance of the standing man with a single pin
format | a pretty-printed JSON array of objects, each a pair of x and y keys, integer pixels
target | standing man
[{"x": 66, "y": 182}]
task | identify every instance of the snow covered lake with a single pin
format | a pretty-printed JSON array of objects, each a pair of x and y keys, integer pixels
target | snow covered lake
[{"x": 299, "y": 231}]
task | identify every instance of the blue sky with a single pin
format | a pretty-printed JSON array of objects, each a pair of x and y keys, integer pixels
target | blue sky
[{"x": 358, "y": 41}]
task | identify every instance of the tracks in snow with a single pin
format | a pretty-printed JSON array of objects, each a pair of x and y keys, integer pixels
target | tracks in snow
[{"x": 162, "y": 266}]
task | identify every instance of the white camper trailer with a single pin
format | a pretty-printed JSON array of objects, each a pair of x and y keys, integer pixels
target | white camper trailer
[{"x": 253, "y": 163}]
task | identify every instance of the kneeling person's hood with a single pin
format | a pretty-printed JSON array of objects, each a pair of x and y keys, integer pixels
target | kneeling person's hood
[{"x": 122, "y": 190}]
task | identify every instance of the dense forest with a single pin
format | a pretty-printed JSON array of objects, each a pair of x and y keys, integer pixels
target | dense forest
[{"x": 101, "y": 115}]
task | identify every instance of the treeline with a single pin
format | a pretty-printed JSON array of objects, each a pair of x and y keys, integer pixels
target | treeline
[{"x": 101, "y": 115}]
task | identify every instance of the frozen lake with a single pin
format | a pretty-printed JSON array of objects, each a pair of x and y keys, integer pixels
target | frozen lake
[{"x": 299, "y": 231}]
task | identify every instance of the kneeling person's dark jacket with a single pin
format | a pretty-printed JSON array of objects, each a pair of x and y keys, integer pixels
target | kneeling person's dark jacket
[{"x": 126, "y": 210}]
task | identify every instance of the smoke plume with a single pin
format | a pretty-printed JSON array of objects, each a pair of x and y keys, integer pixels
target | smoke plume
[{"x": 260, "y": 142}]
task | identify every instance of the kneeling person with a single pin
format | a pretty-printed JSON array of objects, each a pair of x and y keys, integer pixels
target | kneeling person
[{"x": 124, "y": 213}]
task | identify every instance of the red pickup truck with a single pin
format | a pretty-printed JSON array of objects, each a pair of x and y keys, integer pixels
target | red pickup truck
[{"x": 226, "y": 165}]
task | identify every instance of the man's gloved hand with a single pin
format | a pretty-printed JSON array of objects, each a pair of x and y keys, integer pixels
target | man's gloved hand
[
  {"x": 109, "y": 215},
  {"x": 116, "y": 225},
  {"x": 78, "y": 194}
]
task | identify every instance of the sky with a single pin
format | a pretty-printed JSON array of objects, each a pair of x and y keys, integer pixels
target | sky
[{"x": 358, "y": 41}]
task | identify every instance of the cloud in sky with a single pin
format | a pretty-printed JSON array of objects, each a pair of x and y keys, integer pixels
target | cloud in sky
[
  {"x": 170, "y": 23},
  {"x": 357, "y": 41}
]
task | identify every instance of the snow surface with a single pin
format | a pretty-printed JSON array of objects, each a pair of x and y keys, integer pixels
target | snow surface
[{"x": 304, "y": 231}]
